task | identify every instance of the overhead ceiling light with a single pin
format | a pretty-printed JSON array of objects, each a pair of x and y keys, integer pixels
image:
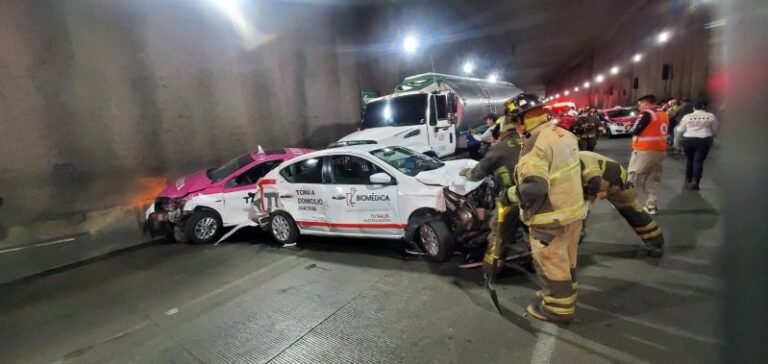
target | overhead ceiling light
[
  {"x": 557, "y": 96},
  {"x": 614, "y": 70},
  {"x": 575, "y": 89},
  {"x": 586, "y": 84},
  {"x": 566, "y": 92},
  {"x": 493, "y": 77},
  {"x": 410, "y": 44},
  {"x": 599, "y": 78},
  {"x": 663, "y": 37},
  {"x": 468, "y": 68},
  {"x": 637, "y": 57}
]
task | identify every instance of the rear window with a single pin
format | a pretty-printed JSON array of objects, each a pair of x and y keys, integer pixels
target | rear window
[{"x": 306, "y": 171}]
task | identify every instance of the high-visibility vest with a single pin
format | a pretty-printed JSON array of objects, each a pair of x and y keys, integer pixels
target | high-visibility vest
[{"x": 654, "y": 136}]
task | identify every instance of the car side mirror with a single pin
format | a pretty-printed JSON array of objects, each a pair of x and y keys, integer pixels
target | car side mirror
[{"x": 381, "y": 179}]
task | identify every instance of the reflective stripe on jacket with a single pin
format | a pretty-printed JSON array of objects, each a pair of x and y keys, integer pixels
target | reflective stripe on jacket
[
  {"x": 597, "y": 165},
  {"x": 551, "y": 153},
  {"x": 654, "y": 136}
]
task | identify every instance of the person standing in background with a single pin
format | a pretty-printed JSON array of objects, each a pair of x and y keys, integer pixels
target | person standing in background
[
  {"x": 674, "y": 119},
  {"x": 697, "y": 130},
  {"x": 649, "y": 148}
]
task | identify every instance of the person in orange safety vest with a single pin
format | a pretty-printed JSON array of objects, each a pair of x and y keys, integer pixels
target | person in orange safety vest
[{"x": 649, "y": 148}]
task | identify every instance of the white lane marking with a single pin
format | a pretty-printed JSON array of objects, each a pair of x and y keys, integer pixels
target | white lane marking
[
  {"x": 56, "y": 242},
  {"x": 10, "y": 250},
  {"x": 172, "y": 311},
  {"x": 545, "y": 343}
]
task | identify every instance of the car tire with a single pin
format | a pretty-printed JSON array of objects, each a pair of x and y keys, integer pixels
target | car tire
[
  {"x": 609, "y": 133},
  {"x": 436, "y": 240},
  {"x": 283, "y": 228},
  {"x": 203, "y": 227}
]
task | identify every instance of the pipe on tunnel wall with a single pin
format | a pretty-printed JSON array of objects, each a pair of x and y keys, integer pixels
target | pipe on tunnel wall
[{"x": 90, "y": 86}]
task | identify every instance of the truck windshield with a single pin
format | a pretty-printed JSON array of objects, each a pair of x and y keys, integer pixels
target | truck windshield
[
  {"x": 407, "y": 161},
  {"x": 400, "y": 111}
]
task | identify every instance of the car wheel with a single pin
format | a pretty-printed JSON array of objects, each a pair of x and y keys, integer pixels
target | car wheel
[
  {"x": 609, "y": 133},
  {"x": 436, "y": 240},
  {"x": 283, "y": 228},
  {"x": 202, "y": 227}
]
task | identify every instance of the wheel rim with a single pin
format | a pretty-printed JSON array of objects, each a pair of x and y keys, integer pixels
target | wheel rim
[
  {"x": 429, "y": 240},
  {"x": 280, "y": 228},
  {"x": 206, "y": 228}
]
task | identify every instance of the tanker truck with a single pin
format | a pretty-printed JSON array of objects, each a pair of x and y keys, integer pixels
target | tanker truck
[{"x": 431, "y": 113}]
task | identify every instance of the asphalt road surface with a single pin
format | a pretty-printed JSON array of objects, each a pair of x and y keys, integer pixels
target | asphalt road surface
[{"x": 360, "y": 301}]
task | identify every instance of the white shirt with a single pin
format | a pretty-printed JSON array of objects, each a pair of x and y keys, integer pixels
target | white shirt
[
  {"x": 698, "y": 124},
  {"x": 486, "y": 136}
]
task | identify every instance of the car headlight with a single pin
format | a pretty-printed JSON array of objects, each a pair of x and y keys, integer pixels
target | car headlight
[{"x": 168, "y": 204}]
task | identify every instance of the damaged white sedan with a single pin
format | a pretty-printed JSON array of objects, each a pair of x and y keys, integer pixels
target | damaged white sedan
[{"x": 371, "y": 191}]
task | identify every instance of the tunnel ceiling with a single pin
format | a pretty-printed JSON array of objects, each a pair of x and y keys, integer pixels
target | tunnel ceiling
[{"x": 526, "y": 40}]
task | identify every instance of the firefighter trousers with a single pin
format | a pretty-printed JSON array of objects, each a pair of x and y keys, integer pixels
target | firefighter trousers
[
  {"x": 625, "y": 201},
  {"x": 555, "y": 262}
]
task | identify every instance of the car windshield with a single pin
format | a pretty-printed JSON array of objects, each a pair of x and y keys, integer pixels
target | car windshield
[
  {"x": 407, "y": 161},
  {"x": 399, "y": 111},
  {"x": 217, "y": 174}
]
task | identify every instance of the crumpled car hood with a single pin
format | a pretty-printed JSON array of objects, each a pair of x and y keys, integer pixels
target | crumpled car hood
[
  {"x": 448, "y": 176},
  {"x": 185, "y": 185}
]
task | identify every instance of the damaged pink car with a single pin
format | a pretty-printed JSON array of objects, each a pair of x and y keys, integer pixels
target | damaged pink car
[{"x": 198, "y": 206}]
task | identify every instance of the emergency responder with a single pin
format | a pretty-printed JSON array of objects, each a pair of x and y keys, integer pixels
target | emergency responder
[
  {"x": 549, "y": 192},
  {"x": 605, "y": 178},
  {"x": 499, "y": 161},
  {"x": 649, "y": 148}
]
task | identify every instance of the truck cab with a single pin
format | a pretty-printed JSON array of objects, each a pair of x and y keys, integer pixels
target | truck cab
[
  {"x": 430, "y": 113},
  {"x": 419, "y": 120}
]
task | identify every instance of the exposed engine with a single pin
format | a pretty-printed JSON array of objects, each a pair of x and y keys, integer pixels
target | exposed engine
[{"x": 465, "y": 213}]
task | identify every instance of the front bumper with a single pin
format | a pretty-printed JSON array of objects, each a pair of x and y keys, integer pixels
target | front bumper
[{"x": 618, "y": 129}]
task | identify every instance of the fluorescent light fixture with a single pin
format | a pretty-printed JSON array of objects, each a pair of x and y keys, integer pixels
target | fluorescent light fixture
[
  {"x": 615, "y": 70},
  {"x": 566, "y": 92},
  {"x": 637, "y": 57},
  {"x": 468, "y": 68},
  {"x": 493, "y": 77},
  {"x": 663, "y": 37},
  {"x": 599, "y": 78},
  {"x": 410, "y": 44},
  {"x": 575, "y": 89},
  {"x": 586, "y": 84}
]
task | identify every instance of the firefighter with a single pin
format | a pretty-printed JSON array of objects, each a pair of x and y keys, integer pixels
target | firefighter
[
  {"x": 499, "y": 161},
  {"x": 549, "y": 192},
  {"x": 605, "y": 178},
  {"x": 649, "y": 148}
]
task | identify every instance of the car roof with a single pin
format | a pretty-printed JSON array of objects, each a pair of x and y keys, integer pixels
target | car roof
[
  {"x": 279, "y": 153},
  {"x": 351, "y": 149}
]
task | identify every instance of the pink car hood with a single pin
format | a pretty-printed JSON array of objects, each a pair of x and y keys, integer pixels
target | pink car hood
[{"x": 185, "y": 185}]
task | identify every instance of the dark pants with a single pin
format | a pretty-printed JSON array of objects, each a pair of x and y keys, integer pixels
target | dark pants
[{"x": 696, "y": 150}]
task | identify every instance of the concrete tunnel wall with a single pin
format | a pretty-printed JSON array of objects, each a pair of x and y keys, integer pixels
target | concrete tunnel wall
[
  {"x": 91, "y": 86},
  {"x": 688, "y": 52}
]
